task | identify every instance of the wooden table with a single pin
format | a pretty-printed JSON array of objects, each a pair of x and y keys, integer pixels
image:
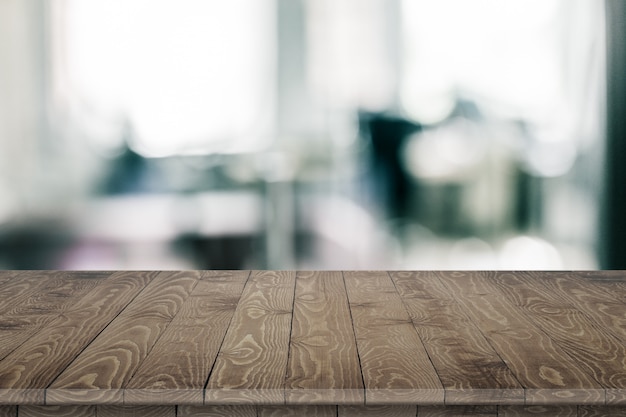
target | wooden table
[{"x": 287, "y": 343}]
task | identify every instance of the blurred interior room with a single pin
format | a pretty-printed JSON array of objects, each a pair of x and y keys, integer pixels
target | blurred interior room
[{"x": 312, "y": 134}]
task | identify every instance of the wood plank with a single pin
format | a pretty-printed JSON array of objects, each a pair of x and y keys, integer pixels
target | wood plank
[
  {"x": 297, "y": 411},
  {"x": 598, "y": 302},
  {"x": 549, "y": 375},
  {"x": 57, "y": 411},
  {"x": 251, "y": 365},
  {"x": 385, "y": 339},
  {"x": 599, "y": 411},
  {"x": 459, "y": 320},
  {"x": 470, "y": 370},
  {"x": 52, "y": 294},
  {"x": 13, "y": 294},
  {"x": 613, "y": 283},
  {"x": 8, "y": 411},
  {"x": 615, "y": 397},
  {"x": 98, "y": 374},
  {"x": 596, "y": 350},
  {"x": 14, "y": 291},
  {"x": 25, "y": 286},
  {"x": 135, "y": 411},
  {"x": 224, "y": 274},
  {"x": 27, "y": 371},
  {"x": 538, "y": 411},
  {"x": 405, "y": 410},
  {"x": 323, "y": 361},
  {"x": 7, "y": 275},
  {"x": 458, "y": 411},
  {"x": 178, "y": 366},
  {"x": 217, "y": 411}
]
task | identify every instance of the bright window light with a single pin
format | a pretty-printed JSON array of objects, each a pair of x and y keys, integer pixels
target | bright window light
[
  {"x": 349, "y": 54},
  {"x": 533, "y": 61},
  {"x": 190, "y": 76},
  {"x": 512, "y": 54}
]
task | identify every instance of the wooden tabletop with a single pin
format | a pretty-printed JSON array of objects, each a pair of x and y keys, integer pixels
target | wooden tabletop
[{"x": 423, "y": 340}]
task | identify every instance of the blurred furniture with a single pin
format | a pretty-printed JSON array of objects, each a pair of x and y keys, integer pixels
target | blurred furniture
[
  {"x": 201, "y": 230},
  {"x": 205, "y": 230},
  {"x": 247, "y": 343}
]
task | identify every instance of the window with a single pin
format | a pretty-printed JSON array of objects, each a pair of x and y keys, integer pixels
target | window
[{"x": 188, "y": 76}]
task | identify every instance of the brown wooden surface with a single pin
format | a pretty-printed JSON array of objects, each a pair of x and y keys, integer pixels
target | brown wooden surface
[
  {"x": 282, "y": 343},
  {"x": 29, "y": 369},
  {"x": 176, "y": 369},
  {"x": 8, "y": 410},
  {"x": 595, "y": 348},
  {"x": 28, "y": 303},
  {"x": 298, "y": 410},
  {"x": 377, "y": 411},
  {"x": 135, "y": 411},
  {"x": 539, "y": 411},
  {"x": 15, "y": 291},
  {"x": 548, "y": 374},
  {"x": 323, "y": 360},
  {"x": 458, "y": 411},
  {"x": 98, "y": 374},
  {"x": 394, "y": 363},
  {"x": 600, "y": 305},
  {"x": 590, "y": 411},
  {"x": 469, "y": 368},
  {"x": 40, "y": 300},
  {"x": 217, "y": 411},
  {"x": 252, "y": 362},
  {"x": 57, "y": 411}
]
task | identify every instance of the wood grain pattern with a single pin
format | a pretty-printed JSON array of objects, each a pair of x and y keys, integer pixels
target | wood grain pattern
[
  {"x": 57, "y": 411},
  {"x": 538, "y": 411},
  {"x": 8, "y": 411},
  {"x": 597, "y": 411},
  {"x": 102, "y": 368},
  {"x": 135, "y": 411},
  {"x": 297, "y": 411},
  {"x": 615, "y": 397},
  {"x": 469, "y": 369},
  {"x": 7, "y": 275},
  {"x": 217, "y": 411},
  {"x": 386, "y": 338},
  {"x": 613, "y": 283},
  {"x": 458, "y": 411},
  {"x": 323, "y": 361},
  {"x": 595, "y": 349},
  {"x": 178, "y": 366},
  {"x": 598, "y": 302},
  {"x": 27, "y": 371},
  {"x": 377, "y": 411},
  {"x": 549, "y": 375},
  {"x": 311, "y": 411},
  {"x": 266, "y": 343},
  {"x": 48, "y": 297},
  {"x": 14, "y": 291},
  {"x": 251, "y": 365}
]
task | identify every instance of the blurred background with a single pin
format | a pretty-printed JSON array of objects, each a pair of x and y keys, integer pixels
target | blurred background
[{"x": 312, "y": 134}]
